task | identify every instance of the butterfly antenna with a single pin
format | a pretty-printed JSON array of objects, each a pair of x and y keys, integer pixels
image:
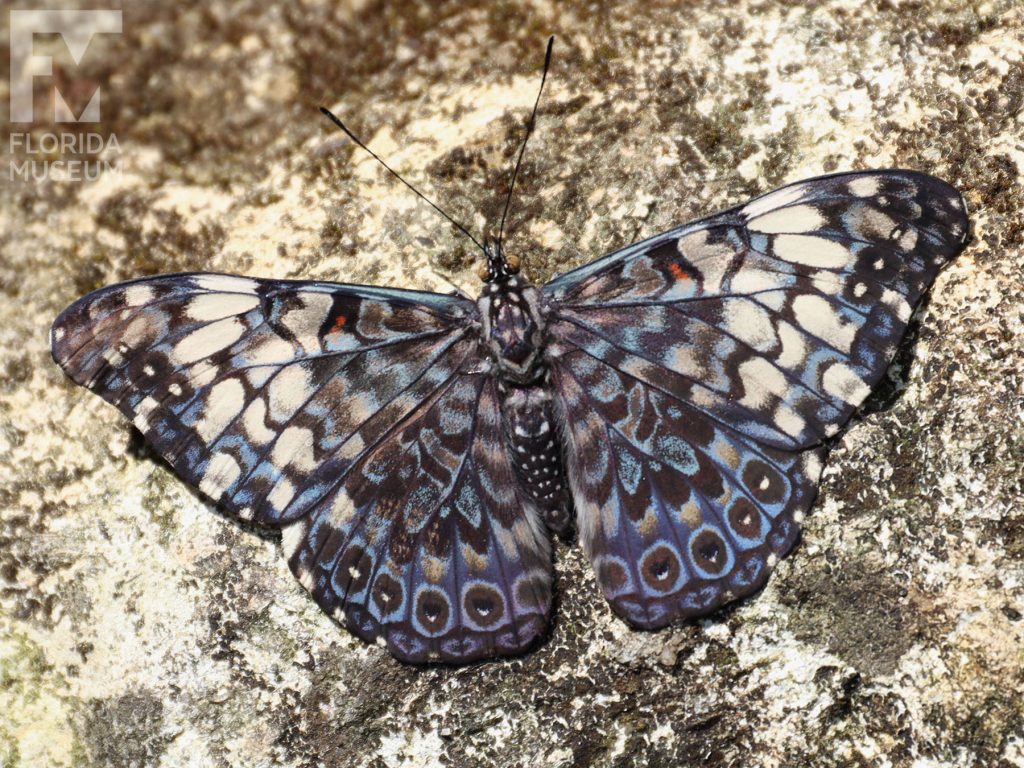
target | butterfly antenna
[
  {"x": 522, "y": 148},
  {"x": 390, "y": 170}
]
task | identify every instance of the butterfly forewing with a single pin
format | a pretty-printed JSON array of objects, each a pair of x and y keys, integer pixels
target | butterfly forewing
[
  {"x": 697, "y": 373},
  {"x": 351, "y": 417}
]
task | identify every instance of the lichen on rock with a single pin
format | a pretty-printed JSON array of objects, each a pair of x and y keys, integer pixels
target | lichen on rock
[{"x": 138, "y": 626}]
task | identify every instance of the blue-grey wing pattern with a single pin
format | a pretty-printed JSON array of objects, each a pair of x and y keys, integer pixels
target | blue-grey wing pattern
[
  {"x": 428, "y": 542},
  {"x": 697, "y": 374},
  {"x": 349, "y": 417}
]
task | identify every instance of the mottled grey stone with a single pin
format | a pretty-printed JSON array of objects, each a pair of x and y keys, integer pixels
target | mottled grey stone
[{"x": 138, "y": 626}]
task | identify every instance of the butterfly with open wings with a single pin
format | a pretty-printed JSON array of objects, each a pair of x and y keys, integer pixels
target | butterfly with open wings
[{"x": 416, "y": 450}]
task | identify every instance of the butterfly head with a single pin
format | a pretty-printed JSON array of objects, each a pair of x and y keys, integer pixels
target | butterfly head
[{"x": 498, "y": 268}]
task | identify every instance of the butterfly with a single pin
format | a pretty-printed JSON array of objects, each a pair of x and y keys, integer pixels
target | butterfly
[{"x": 417, "y": 450}]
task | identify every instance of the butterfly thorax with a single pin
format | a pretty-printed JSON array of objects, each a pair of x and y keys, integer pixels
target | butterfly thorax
[{"x": 512, "y": 330}]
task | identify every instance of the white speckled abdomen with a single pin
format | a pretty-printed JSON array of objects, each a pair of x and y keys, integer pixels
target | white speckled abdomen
[{"x": 536, "y": 452}]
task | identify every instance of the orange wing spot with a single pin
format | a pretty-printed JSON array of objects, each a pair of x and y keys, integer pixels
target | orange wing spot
[
  {"x": 678, "y": 271},
  {"x": 339, "y": 323}
]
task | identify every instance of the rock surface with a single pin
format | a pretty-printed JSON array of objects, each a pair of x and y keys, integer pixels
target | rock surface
[{"x": 138, "y": 626}]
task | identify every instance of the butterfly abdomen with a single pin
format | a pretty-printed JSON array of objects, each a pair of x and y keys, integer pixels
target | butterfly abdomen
[{"x": 536, "y": 452}]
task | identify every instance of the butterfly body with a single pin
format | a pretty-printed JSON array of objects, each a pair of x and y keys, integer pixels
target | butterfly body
[
  {"x": 512, "y": 338},
  {"x": 672, "y": 399}
]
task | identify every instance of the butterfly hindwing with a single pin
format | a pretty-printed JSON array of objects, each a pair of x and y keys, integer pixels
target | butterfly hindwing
[
  {"x": 271, "y": 397},
  {"x": 678, "y": 513},
  {"x": 739, "y": 343},
  {"x": 429, "y": 542}
]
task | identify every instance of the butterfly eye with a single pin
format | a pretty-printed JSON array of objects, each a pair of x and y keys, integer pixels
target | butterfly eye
[
  {"x": 513, "y": 263},
  {"x": 483, "y": 272}
]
